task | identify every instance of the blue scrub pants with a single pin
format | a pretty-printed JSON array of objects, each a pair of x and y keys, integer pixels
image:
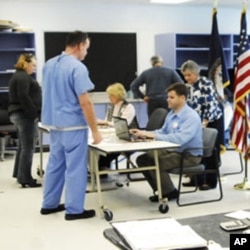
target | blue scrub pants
[{"x": 67, "y": 167}]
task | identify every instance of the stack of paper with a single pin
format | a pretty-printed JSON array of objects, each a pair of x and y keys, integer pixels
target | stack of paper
[
  {"x": 164, "y": 233},
  {"x": 241, "y": 214}
]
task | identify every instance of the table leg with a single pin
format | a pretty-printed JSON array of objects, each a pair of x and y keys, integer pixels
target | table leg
[
  {"x": 94, "y": 172},
  {"x": 157, "y": 172},
  {"x": 40, "y": 171},
  {"x": 92, "y": 169},
  {"x": 163, "y": 207}
]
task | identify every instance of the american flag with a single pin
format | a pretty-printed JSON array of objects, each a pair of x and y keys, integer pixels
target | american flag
[{"x": 241, "y": 90}]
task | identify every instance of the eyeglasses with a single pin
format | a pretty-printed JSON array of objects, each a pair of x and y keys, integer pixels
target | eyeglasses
[{"x": 28, "y": 57}]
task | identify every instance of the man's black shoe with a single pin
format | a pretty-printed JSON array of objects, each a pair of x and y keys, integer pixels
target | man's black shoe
[
  {"x": 170, "y": 196},
  {"x": 205, "y": 187},
  {"x": 84, "y": 215},
  {"x": 45, "y": 211},
  {"x": 155, "y": 198},
  {"x": 188, "y": 184},
  {"x": 104, "y": 176}
]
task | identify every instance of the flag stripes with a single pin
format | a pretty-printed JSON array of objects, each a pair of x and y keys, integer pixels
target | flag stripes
[{"x": 241, "y": 90}]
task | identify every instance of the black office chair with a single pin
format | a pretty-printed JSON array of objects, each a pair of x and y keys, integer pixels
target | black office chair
[
  {"x": 6, "y": 129},
  {"x": 209, "y": 154},
  {"x": 155, "y": 121}
]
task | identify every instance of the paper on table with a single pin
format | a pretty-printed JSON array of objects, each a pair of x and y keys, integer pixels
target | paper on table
[
  {"x": 240, "y": 215},
  {"x": 158, "y": 234},
  {"x": 215, "y": 246}
]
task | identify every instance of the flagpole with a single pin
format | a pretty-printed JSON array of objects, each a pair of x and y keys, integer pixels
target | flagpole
[{"x": 245, "y": 185}]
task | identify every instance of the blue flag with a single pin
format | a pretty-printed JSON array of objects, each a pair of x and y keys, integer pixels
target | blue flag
[
  {"x": 217, "y": 70},
  {"x": 218, "y": 73}
]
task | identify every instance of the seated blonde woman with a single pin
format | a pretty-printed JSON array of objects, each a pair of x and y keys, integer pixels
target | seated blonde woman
[{"x": 118, "y": 107}]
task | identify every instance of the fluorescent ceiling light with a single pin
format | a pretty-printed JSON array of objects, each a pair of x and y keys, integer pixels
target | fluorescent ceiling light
[{"x": 170, "y": 1}]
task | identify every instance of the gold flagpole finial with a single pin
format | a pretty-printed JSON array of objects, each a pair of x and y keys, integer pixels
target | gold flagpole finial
[
  {"x": 244, "y": 6},
  {"x": 215, "y": 7},
  {"x": 215, "y": 4}
]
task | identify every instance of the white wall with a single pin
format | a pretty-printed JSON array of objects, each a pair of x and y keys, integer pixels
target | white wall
[{"x": 145, "y": 20}]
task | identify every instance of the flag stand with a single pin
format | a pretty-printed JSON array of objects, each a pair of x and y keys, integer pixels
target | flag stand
[{"x": 245, "y": 185}]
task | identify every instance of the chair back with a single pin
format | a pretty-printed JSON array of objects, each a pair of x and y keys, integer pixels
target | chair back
[
  {"x": 156, "y": 119},
  {"x": 207, "y": 167},
  {"x": 209, "y": 141},
  {"x": 4, "y": 117}
]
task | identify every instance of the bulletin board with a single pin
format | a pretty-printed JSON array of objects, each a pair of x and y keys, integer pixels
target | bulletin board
[{"x": 112, "y": 57}]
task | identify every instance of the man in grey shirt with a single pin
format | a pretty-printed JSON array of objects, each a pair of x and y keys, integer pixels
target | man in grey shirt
[{"x": 157, "y": 79}]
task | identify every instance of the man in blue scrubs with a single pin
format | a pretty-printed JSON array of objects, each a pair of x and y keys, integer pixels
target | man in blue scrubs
[{"x": 67, "y": 110}]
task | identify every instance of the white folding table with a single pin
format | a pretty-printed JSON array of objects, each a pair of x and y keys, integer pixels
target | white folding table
[
  {"x": 111, "y": 144},
  {"x": 106, "y": 147}
]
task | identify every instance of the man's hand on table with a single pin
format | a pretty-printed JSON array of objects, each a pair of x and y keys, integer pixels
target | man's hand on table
[
  {"x": 97, "y": 137},
  {"x": 142, "y": 133}
]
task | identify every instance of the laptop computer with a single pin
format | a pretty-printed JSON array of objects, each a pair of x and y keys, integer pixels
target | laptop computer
[{"x": 122, "y": 131}]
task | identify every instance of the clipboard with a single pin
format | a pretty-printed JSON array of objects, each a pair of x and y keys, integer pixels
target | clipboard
[
  {"x": 151, "y": 234},
  {"x": 112, "y": 236}
]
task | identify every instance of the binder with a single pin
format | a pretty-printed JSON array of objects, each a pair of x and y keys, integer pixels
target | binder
[
  {"x": 112, "y": 236},
  {"x": 152, "y": 234}
]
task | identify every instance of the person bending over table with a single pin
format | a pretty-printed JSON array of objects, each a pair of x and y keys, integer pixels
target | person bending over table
[
  {"x": 204, "y": 99},
  {"x": 182, "y": 126},
  {"x": 156, "y": 80},
  {"x": 118, "y": 107}
]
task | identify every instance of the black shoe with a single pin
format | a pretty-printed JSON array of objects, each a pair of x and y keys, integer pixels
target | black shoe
[
  {"x": 32, "y": 184},
  {"x": 188, "y": 184},
  {"x": 170, "y": 196},
  {"x": 173, "y": 195},
  {"x": 154, "y": 198},
  {"x": 84, "y": 215},
  {"x": 205, "y": 187},
  {"x": 104, "y": 176},
  {"x": 52, "y": 210}
]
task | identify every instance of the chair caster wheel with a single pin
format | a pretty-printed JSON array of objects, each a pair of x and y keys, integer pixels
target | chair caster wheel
[
  {"x": 40, "y": 172},
  {"x": 119, "y": 184},
  {"x": 163, "y": 208},
  {"x": 108, "y": 215}
]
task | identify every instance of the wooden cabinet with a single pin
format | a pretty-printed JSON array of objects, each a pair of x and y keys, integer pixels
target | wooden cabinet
[
  {"x": 178, "y": 48},
  {"x": 12, "y": 44}
]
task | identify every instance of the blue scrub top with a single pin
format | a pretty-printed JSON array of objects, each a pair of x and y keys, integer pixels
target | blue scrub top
[{"x": 64, "y": 79}]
